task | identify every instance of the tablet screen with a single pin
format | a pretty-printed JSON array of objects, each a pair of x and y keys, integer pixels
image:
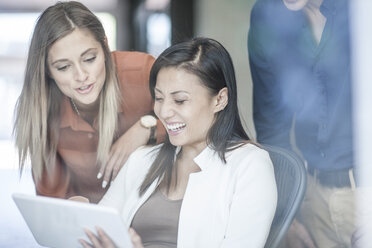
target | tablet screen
[{"x": 58, "y": 222}]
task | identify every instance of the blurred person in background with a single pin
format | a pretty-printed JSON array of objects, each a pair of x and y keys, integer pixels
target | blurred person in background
[{"x": 299, "y": 54}]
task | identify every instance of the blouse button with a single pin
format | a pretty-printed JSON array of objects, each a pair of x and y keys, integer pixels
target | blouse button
[{"x": 90, "y": 135}]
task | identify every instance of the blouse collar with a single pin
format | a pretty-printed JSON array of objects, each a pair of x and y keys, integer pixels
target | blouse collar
[{"x": 69, "y": 118}]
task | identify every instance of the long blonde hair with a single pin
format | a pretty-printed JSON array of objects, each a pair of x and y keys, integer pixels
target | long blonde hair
[{"x": 37, "y": 113}]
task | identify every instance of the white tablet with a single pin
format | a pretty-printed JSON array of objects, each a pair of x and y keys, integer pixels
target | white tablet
[{"x": 59, "y": 223}]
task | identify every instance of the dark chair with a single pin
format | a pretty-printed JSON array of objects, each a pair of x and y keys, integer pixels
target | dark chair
[{"x": 290, "y": 175}]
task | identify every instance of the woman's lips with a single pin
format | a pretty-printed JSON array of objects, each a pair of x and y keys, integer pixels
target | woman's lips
[
  {"x": 86, "y": 89},
  {"x": 175, "y": 128}
]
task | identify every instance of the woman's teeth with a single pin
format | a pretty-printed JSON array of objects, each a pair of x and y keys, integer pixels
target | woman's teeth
[
  {"x": 175, "y": 127},
  {"x": 84, "y": 87}
]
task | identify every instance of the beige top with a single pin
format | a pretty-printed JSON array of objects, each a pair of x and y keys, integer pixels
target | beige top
[{"x": 156, "y": 221}]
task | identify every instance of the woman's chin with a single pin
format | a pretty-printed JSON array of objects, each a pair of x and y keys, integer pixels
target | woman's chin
[{"x": 175, "y": 142}]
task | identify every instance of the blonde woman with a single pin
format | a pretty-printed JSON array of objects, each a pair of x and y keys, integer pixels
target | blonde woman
[{"x": 74, "y": 119}]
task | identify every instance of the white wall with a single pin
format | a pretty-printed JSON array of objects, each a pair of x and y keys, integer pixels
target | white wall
[{"x": 228, "y": 21}]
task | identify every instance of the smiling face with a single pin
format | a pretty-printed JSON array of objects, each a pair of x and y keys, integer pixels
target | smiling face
[
  {"x": 186, "y": 107},
  {"x": 76, "y": 62}
]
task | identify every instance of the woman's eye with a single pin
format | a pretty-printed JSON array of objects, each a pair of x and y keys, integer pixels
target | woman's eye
[
  {"x": 158, "y": 99},
  {"x": 62, "y": 68},
  {"x": 91, "y": 59},
  {"x": 179, "y": 101}
]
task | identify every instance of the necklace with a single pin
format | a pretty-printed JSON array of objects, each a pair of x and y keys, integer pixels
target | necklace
[{"x": 75, "y": 108}]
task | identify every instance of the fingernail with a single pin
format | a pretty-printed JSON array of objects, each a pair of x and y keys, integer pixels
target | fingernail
[
  {"x": 99, "y": 175},
  {"x": 104, "y": 184}
]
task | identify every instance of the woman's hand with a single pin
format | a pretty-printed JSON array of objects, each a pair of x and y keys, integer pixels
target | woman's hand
[
  {"x": 133, "y": 138},
  {"x": 101, "y": 240},
  {"x": 135, "y": 238}
]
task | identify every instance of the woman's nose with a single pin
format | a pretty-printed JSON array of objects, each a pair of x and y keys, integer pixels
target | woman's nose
[
  {"x": 80, "y": 74},
  {"x": 166, "y": 110}
]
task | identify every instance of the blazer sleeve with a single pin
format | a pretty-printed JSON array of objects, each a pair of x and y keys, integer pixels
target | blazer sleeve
[
  {"x": 133, "y": 70},
  {"x": 54, "y": 181},
  {"x": 253, "y": 203}
]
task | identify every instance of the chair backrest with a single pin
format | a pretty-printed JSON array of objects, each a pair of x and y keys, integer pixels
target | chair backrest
[{"x": 290, "y": 175}]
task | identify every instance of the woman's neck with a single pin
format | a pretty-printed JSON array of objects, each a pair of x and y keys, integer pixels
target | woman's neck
[
  {"x": 86, "y": 111},
  {"x": 191, "y": 151},
  {"x": 183, "y": 167},
  {"x": 92, "y": 107}
]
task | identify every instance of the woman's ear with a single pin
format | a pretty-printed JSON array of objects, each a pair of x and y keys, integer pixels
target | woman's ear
[{"x": 222, "y": 99}]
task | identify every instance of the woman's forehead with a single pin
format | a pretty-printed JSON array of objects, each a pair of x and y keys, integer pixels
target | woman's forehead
[{"x": 73, "y": 44}]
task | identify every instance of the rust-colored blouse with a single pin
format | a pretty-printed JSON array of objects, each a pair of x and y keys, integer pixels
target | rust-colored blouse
[{"x": 75, "y": 172}]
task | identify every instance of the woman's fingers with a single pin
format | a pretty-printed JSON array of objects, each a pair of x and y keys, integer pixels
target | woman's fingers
[
  {"x": 106, "y": 241},
  {"x": 107, "y": 173},
  {"x": 101, "y": 240},
  {"x": 106, "y": 170},
  {"x": 135, "y": 238},
  {"x": 118, "y": 165},
  {"x": 84, "y": 243},
  {"x": 113, "y": 166},
  {"x": 93, "y": 239},
  {"x": 133, "y": 138}
]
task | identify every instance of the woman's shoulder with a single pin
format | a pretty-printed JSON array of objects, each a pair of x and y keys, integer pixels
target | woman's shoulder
[
  {"x": 248, "y": 149},
  {"x": 252, "y": 164},
  {"x": 132, "y": 60},
  {"x": 249, "y": 154},
  {"x": 133, "y": 71}
]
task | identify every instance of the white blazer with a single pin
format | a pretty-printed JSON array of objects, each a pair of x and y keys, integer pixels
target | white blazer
[{"x": 225, "y": 205}]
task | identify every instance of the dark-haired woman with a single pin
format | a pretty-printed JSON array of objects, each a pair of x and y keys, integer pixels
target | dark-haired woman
[{"x": 207, "y": 185}]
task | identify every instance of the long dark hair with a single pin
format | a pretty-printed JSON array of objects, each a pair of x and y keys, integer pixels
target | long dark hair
[{"x": 209, "y": 60}]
